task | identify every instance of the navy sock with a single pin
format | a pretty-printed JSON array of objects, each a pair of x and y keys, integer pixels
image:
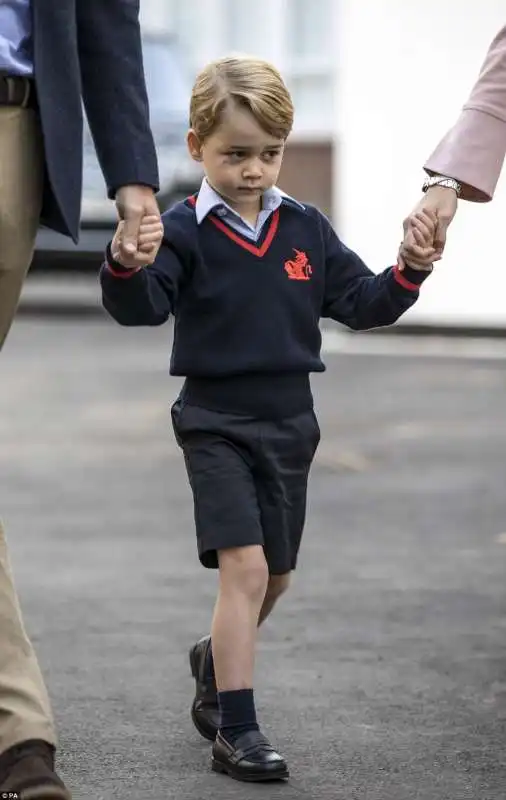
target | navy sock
[{"x": 238, "y": 714}]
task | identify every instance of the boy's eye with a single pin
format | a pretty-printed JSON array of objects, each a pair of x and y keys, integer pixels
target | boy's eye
[{"x": 238, "y": 155}]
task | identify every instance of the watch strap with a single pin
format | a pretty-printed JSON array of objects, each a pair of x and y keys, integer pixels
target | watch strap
[{"x": 442, "y": 180}]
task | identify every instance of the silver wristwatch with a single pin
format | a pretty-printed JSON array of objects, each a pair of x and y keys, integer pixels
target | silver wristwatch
[{"x": 442, "y": 180}]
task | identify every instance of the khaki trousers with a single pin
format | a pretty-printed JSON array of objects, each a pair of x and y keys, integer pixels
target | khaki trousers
[{"x": 25, "y": 711}]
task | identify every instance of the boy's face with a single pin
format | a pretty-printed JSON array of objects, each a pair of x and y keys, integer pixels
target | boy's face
[{"x": 240, "y": 159}]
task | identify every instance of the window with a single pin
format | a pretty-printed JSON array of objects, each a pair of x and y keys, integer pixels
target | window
[
  {"x": 295, "y": 35},
  {"x": 309, "y": 29},
  {"x": 167, "y": 80},
  {"x": 309, "y": 62},
  {"x": 246, "y": 26},
  {"x": 187, "y": 23}
]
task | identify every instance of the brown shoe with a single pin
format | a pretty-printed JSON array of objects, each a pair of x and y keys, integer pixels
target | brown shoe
[{"x": 27, "y": 771}]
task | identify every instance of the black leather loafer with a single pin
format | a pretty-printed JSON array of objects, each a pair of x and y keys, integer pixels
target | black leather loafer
[
  {"x": 205, "y": 712},
  {"x": 252, "y": 758}
]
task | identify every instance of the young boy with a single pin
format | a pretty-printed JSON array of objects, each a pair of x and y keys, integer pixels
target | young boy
[{"x": 247, "y": 273}]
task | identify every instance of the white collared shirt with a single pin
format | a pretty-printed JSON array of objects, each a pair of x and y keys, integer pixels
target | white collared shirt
[{"x": 209, "y": 200}]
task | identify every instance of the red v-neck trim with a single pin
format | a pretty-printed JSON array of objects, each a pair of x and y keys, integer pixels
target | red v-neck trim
[{"x": 238, "y": 239}]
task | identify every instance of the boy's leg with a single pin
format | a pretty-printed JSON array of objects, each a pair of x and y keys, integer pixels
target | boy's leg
[
  {"x": 240, "y": 749},
  {"x": 242, "y": 587},
  {"x": 282, "y": 466},
  {"x": 229, "y": 534},
  {"x": 276, "y": 586},
  {"x": 282, "y": 460},
  {"x": 205, "y": 710}
]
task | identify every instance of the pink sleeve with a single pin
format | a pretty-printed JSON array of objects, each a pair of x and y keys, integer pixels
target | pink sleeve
[{"x": 473, "y": 151}]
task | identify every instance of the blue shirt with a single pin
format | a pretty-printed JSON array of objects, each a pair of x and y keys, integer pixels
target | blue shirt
[
  {"x": 16, "y": 37},
  {"x": 209, "y": 200}
]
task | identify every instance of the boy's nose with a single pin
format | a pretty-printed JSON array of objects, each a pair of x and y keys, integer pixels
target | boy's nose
[{"x": 252, "y": 170}]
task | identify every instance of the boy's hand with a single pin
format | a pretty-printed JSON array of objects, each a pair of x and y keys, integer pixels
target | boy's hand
[
  {"x": 417, "y": 249},
  {"x": 149, "y": 241}
]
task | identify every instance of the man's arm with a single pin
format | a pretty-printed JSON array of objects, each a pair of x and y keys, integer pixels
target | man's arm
[
  {"x": 473, "y": 151},
  {"x": 114, "y": 91},
  {"x": 115, "y": 98}
]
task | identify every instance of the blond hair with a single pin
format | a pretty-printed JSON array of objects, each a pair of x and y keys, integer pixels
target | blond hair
[{"x": 251, "y": 83}]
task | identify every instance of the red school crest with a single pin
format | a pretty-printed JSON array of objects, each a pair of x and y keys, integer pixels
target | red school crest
[{"x": 298, "y": 268}]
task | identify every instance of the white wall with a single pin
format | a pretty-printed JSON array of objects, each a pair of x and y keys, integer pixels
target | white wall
[{"x": 403, "y": 71}]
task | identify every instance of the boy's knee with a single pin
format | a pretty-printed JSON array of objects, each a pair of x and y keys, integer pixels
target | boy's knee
[
  {"x": 245, "y": 568},
  {"x": 277, "y": 585}
]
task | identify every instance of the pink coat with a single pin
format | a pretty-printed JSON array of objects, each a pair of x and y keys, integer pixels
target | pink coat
[{"x": 473, "y": 151}]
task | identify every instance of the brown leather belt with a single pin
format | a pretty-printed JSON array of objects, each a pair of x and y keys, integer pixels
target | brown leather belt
[{"x": 16, "y": 90}]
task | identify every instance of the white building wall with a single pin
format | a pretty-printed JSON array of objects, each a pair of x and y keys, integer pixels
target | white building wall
[{"x": 402, "y": 72}]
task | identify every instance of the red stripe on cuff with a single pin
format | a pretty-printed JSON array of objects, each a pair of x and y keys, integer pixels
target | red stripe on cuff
[
  {"x": 399, "y": 277},
  {"x": 118, "y": 274}
]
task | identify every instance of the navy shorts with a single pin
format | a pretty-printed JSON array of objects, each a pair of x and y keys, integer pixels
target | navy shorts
[{"x": 249, "y": 480}]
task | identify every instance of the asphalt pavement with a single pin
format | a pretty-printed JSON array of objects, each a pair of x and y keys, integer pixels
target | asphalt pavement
[{"x": 382, "y": 676}]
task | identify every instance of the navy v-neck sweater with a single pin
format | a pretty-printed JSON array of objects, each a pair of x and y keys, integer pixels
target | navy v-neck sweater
[{"x": 253, "y": 308}]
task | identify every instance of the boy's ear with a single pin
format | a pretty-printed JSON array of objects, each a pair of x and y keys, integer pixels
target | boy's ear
[{"x": 194, "y": 146}]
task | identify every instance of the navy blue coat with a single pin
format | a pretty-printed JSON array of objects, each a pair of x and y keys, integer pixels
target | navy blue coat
[{"x": 90, "y": 49}]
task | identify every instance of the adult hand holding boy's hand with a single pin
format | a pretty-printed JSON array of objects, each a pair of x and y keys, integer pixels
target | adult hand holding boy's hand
[
  {"x": 439, "y": 200},
  {"x": 417, "y": 249},
  {"x": 134, "y": 203},
  {"x": 149, "y": 239}
]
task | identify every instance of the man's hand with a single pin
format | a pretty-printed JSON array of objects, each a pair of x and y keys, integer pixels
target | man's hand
[
  {"x": 149, "y": 240},
  {"x": 441, "y": 201},
  {"x": 134, "y": 204}
]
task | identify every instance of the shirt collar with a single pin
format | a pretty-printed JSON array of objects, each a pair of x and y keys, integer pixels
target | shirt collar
[{"x": 208, "y": 199}]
